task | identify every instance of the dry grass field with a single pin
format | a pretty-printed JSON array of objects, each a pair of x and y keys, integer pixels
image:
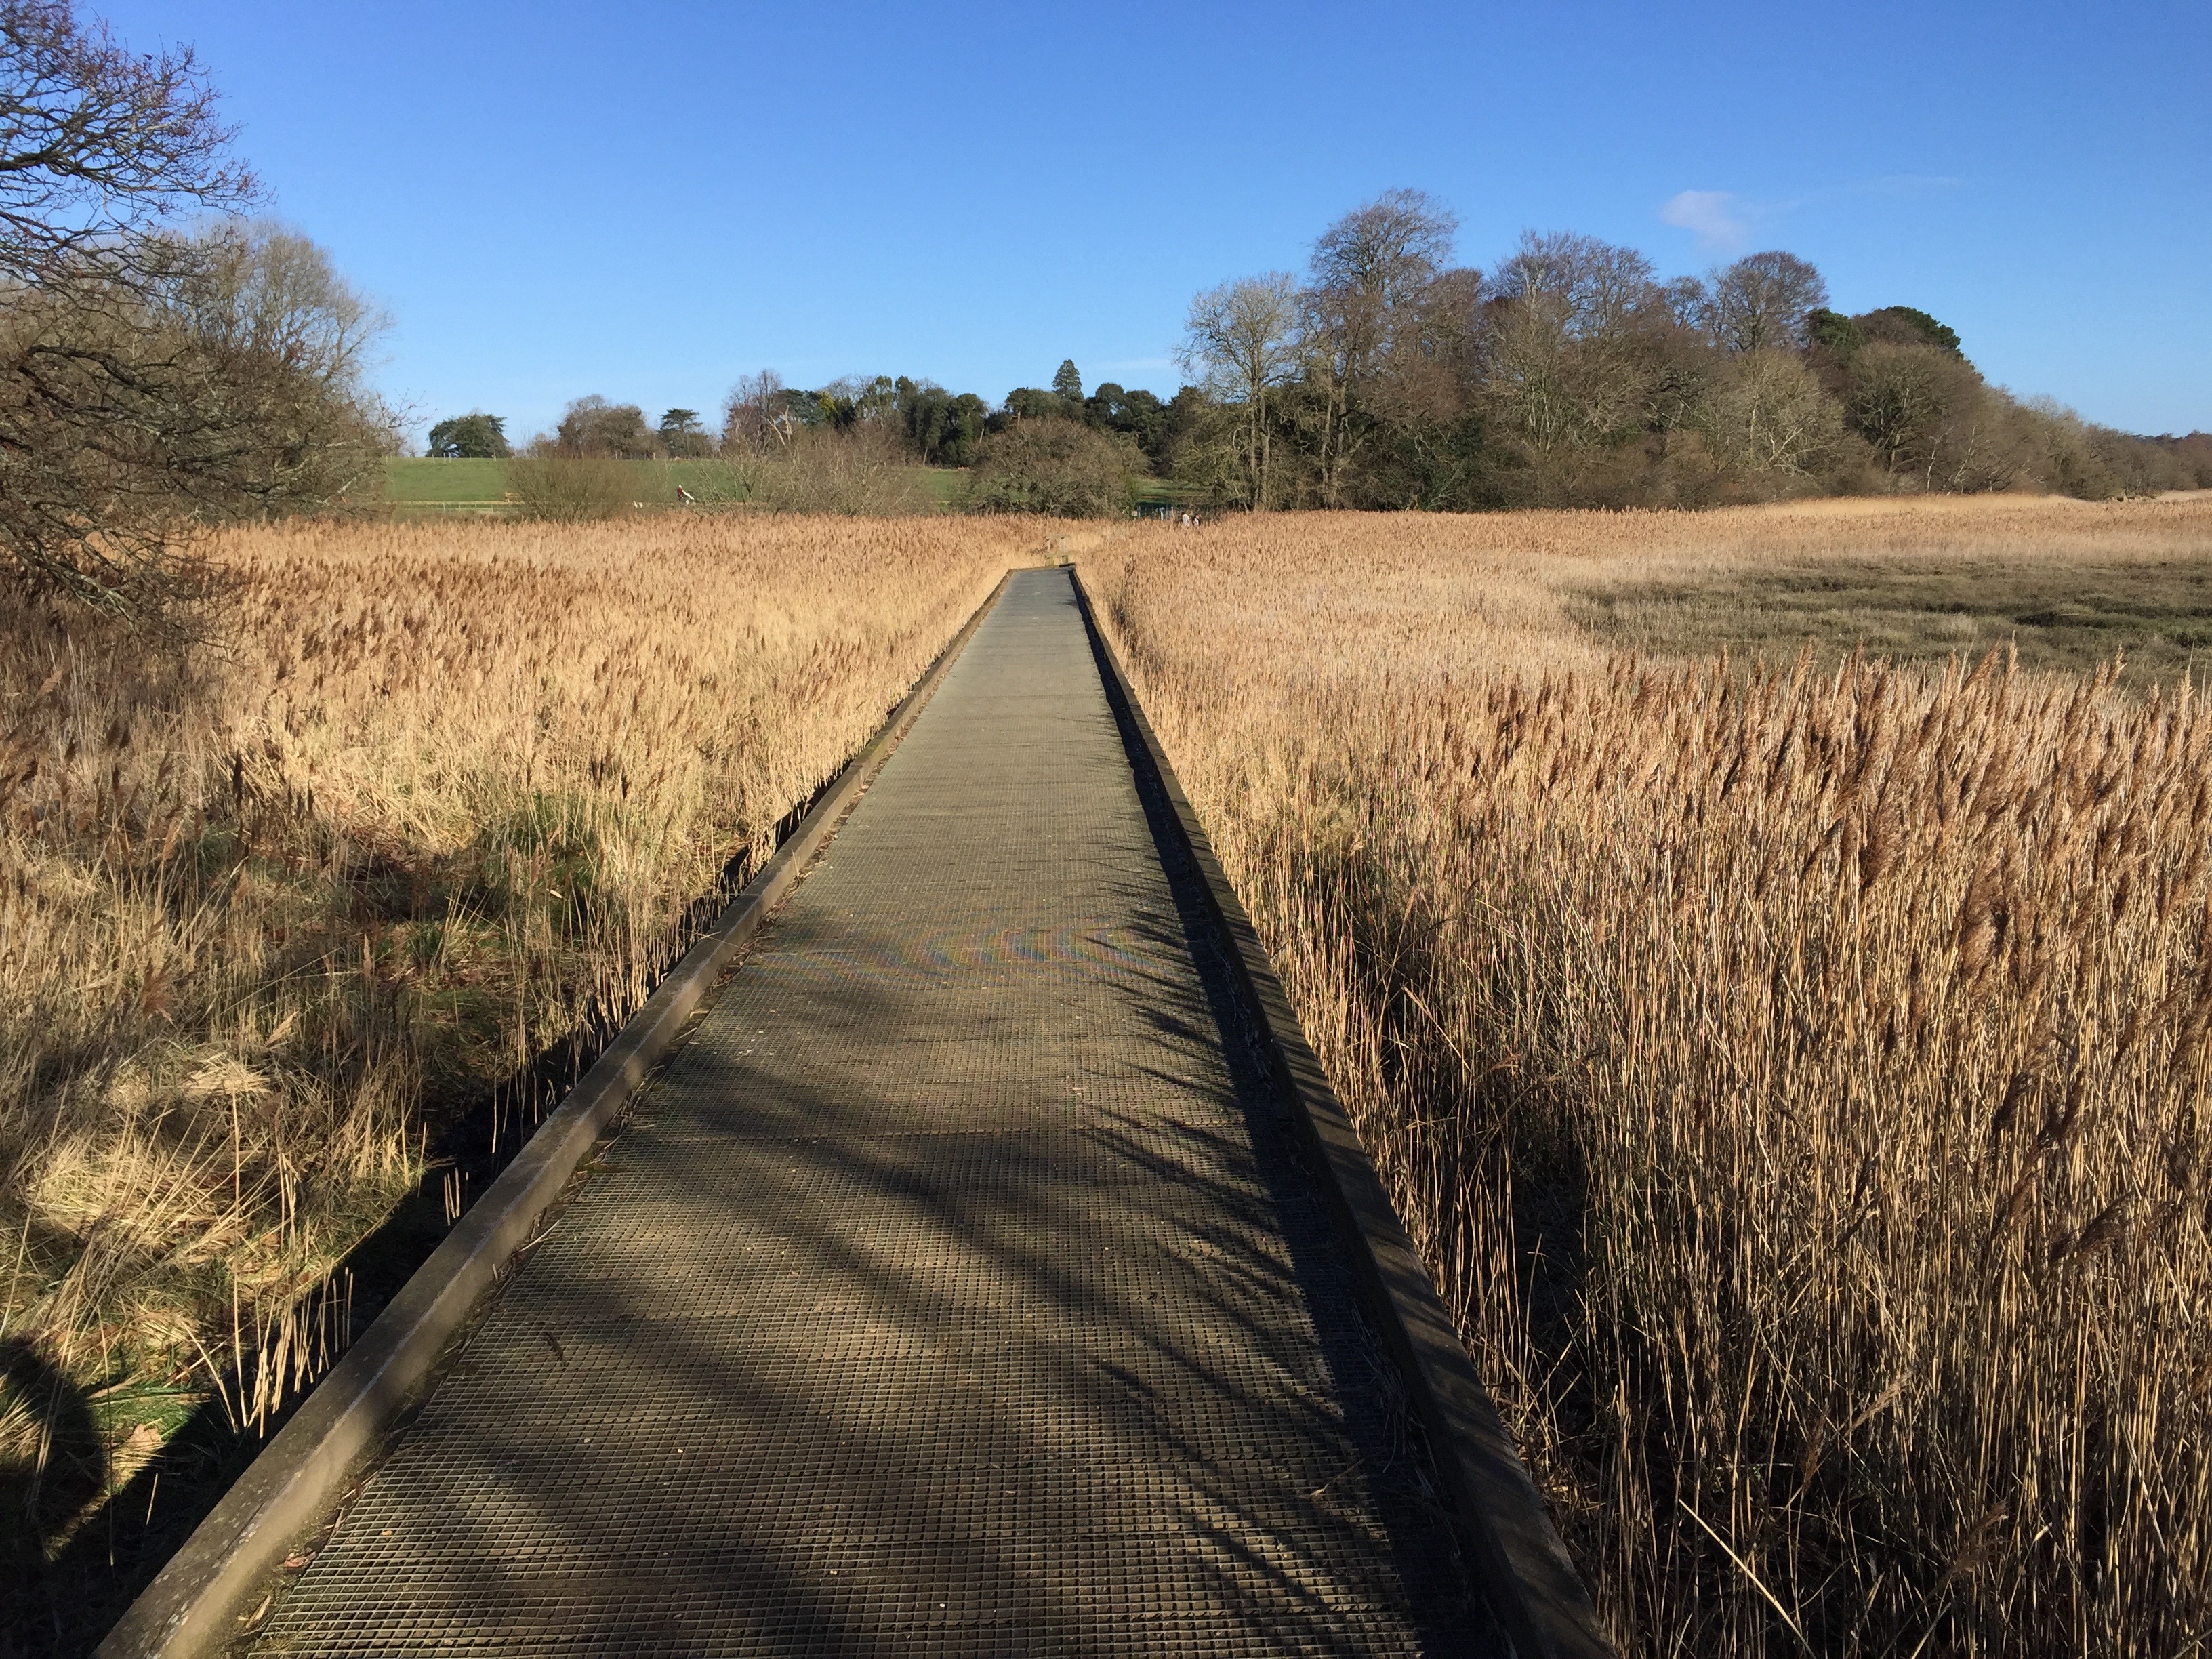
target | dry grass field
[
  {"x": 1790, "y": 1061},
  {"x": 1792, "y": 1065},
  {"x": 431, "y": 816}
]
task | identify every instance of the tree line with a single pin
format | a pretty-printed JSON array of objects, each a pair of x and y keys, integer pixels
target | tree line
[
  {"x": 1386, "y": 374},
  {"x": 764, "y": 417},
  {"x": 162, "y": 370},
  {"x": 1570, "y": 373},
  {"x": 838, "y": 447}
]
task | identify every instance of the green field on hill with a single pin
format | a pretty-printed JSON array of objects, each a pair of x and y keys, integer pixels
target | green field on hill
[
  {"x": 413, "y": 483},
  {"x": 419, "y": 483},
  {"x": 419, "y": 486}
]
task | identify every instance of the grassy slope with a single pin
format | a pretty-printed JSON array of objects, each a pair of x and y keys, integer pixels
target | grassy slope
[
  {"x": 418, "y": 481},
  {"x": 413, "y": 482}
]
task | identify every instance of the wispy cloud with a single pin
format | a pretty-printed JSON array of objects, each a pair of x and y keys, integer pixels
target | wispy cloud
[
  {"x": 1724, "y": 222},
  {"x": 1717, "y": 218}
]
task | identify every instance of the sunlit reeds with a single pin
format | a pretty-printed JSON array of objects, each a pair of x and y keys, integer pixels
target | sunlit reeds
[
  {"x": 438, "y": 801},
  {"x": 1795, "y": 1074}
]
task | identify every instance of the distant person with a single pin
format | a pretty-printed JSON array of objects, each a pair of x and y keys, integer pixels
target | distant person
[{"x": 685, "y": 496}]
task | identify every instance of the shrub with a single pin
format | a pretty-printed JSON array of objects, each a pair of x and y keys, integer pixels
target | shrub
[
  {"x": 863, "y": 471},
  {"x": 1054, "y": 466},
  {"x": 560, "y": 490}
]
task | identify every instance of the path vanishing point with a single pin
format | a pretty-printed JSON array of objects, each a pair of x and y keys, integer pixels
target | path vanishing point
[{"x": 958, "y": 1288}]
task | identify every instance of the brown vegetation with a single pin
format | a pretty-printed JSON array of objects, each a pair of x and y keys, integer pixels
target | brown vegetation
[
  {"x": 449, "y": 799},
  {"x": 570, "y": 490},
  {"x": 865, "y": 471},
  {"x": 1794, "y": 1074},
  {"x": 1056, "y": 467}
]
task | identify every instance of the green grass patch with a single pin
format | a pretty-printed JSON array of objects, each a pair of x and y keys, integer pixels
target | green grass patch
[
  {"x": 2156, "y": 614},
  {"x": 418, "y": 484},
  {"x": 416, "y": 481},
  {"x": 1155, "y": 492}
]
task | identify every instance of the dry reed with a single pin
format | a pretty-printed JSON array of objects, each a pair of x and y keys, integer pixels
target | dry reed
[
  {"x": 1794, "y": 1075},
  {"x": 447, "y": 797}
]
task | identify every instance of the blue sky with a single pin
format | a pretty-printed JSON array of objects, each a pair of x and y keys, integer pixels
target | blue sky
[{"x": 647, "y": 201}]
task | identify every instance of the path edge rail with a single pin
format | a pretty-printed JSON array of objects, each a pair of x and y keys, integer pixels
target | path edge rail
[
  {"x": 1505, "y": 1531},
  {"x": 190, "y": 1607}
]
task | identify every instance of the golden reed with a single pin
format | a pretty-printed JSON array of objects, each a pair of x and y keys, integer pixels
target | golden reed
[
  {"x": 441, "y": 800},
  {"x": 1795, "y": 1075}
]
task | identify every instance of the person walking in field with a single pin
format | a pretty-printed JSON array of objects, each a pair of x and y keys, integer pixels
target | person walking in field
[{"x": 685, "y": 496}]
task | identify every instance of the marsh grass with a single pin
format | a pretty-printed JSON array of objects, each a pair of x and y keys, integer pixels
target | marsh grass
[
  {"x": 1794, "y": 1073},
  {"x": 437, "y": 802},
  {"x": 2072, "y": 616}
]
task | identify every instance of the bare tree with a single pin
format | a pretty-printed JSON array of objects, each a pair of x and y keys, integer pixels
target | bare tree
[
  {"x": 1584, "y": 287},
  {"x": 285, "y": 343},
  {"x": 1242, "y": 341},
  {"x": 221, "y": 379},
  {"x": 99, "y": 143},
  {"x": 1687, "y": 301},
  {"x": 862, "y": 469},
  {"x": 1561, "y": 403},
  {"x": 1437, "y": 337},
  {"x": 1571, "y": 366},
  {"x": 1055, "y": 465},
  {"x": 755, "y": 421},
  {"x": 1931, "y": 421},
  {"x": 1761, "y": 301},
  {"x": 1769, "y": 419},
  {"x": 1369, "y": 268},
  {"x": 151, "y": 382}
]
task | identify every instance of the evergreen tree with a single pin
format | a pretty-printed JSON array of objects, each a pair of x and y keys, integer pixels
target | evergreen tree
[{"x": 473, "y": 436}]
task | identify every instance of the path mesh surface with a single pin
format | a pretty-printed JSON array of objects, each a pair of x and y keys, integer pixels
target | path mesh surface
[{"x": 957, "y": 1291}]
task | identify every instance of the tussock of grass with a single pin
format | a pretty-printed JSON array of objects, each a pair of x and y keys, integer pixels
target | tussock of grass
[
  {"x": 1794, "y": 1076},
  {"x": 445, "y": 797}
]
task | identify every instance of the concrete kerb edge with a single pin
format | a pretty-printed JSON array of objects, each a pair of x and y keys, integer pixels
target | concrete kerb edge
[
  {"x": 190, "y": 1609},
  {"x": 1505, "y": 1529}
]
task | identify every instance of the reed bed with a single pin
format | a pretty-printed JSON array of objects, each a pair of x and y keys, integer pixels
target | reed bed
[
  {"x": 437, "y": 803},
  {"x": 1793, "y": 1072}
]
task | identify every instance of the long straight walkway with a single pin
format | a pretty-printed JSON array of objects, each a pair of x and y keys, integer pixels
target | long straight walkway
[{"x": 957, "y": 1292}]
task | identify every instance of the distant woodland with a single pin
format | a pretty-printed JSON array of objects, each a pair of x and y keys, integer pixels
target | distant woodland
[{"x": 1385, "y": 375}]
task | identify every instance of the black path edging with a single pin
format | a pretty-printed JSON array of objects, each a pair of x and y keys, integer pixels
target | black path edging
[
  {"x": 1504, "y": 1528},
  {"x": 190, "y": 1609}
]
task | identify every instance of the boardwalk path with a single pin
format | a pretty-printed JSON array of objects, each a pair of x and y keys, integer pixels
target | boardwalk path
[{"x": 956, "y": 1291}]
